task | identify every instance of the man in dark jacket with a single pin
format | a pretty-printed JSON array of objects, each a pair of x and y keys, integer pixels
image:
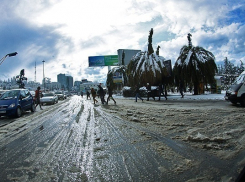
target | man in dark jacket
[
  {"x": 137, "y": 93},
  {"x": 162, "y": 91},
  {"x": 101, "y": 94},
  {"x": 110, "y": 95},
  {"x": 181, "y": 88},
  {"x": 149, "y": 93}
]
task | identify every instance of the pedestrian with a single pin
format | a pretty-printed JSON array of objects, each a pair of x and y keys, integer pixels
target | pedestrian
[
  {"x": 181, "y": 88},
  {"x": 101, "y": 94},
  {"x": 110, "y": 95},
  {"x": 82, "y": 94},
  {"x": 38, "y": 94},
  {"x": 149, "y": 92},
  {"x": 88, "y": 95},
  {"x": 162, "y": 91},
  {"x": 93, "y": 92},
  {"x": 137, "y": 93}
]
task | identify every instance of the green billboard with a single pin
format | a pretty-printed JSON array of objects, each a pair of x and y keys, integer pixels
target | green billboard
[{"x": 108, "y": 60}]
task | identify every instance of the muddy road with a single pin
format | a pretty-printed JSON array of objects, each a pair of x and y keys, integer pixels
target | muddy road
[{"x": 76, "y": 140}]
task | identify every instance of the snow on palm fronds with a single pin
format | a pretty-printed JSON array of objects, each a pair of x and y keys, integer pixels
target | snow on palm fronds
[
  {"x": 144, "y": 63},
  {"x": 147, "y": 68},
  {"x": 194, "y": 56}
]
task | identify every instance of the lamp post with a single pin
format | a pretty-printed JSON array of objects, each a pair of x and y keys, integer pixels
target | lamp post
[
  {"x": 8, "y": 55},
  {"x": 43, "y": 77}
]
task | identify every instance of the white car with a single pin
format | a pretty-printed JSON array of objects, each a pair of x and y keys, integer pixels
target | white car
[{"x": 49, "y": 98}]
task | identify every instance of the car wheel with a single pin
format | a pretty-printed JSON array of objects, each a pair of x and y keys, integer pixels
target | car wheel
[
  {"x": 33, "y": 108},
  {"x": 53, "y": 102},
  {"x": 243, "y": 101},
  {"x": 18, "y": 112}
]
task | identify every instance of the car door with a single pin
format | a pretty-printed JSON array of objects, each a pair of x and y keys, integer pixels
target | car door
[
  {"x": 29, "y": 99},
  {"x": 22, "y": 100}
]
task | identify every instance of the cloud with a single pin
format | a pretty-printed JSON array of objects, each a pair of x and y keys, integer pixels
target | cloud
[{"x": 64, "y": 33}]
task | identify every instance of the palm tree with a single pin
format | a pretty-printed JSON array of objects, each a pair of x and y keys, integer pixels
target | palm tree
[
  {"x": 121, "y": 70},
  {"x": 146, "y": 67},
  {"x": 195, "y": 65}
]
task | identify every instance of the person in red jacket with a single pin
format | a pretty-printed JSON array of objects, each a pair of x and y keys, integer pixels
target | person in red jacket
[{"x": 37, "y": 97}]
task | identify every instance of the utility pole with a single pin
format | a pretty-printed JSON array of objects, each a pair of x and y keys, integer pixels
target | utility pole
[
  {"x": 35, "y": 73},
  {"x": 43, "y": 77}
]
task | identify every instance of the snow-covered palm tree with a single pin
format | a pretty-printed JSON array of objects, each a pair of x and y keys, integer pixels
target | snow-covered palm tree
[
  {"x": 122, "y": 70},
  {"x": 146, "y": 67},
  {"x": 195, "y": 65}
]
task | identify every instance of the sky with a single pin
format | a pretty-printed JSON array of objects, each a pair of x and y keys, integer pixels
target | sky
[{"x": 64, "y": 33}]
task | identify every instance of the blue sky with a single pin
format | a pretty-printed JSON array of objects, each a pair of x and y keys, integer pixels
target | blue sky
[{"x": 65, "y": 33}]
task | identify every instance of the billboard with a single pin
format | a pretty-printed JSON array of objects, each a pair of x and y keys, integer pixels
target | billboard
[
  {"x": 109, "y": 60},
  {"x": 128, "y": 54},
  {"x": 168, "y": 66}
]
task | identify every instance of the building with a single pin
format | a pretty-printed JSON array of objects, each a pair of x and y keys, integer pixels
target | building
[
  {"x": 69, "y": 80},
  {"x": 128, "y": 54},
  {"x": 65, "y": 81},
  {"x": 61, "y": 78},
  {"x": 53, "y": 86}
]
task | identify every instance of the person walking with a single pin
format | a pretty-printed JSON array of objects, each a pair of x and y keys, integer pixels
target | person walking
[
  {"x": 149, "y": 92},
  {"x": 93, "y": 93},
  {"x": 137, "y": 95},
  {"x": 162, "y": 91},
  {"x": 82, "y": 94},
  {"x": 88, "y": 95},
  {"x": 181, "y": 88},
  {"x": 110, "y": 95},
  {"x": 101, "y": 94},
  {"x": 38, "y": 94}
]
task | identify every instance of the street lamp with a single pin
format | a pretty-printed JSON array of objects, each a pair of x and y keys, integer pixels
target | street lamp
[
  {"x": 43, "y": 77},
  {"x": 8, "y": 55}
]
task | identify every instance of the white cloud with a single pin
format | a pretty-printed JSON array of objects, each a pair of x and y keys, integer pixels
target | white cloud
[{"x": 72, "y": 30}]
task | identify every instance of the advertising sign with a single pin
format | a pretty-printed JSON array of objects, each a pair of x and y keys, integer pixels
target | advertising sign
[
  {"x": 117, "y": 77},
  {"x": 109, "y": 60},
  {"x": 168, "y": 66}
]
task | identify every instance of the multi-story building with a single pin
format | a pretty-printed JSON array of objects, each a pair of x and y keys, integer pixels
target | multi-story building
[
  {"x": 69, "y": 80},
  {"x": 61, "y": 78},
  {"x": 65, "y": 81}
]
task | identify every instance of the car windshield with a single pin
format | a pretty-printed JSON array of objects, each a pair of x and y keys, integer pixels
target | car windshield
[
  {"x": 10, "y": 94},
  {"x": 240, "y": 79},
  {"x": 58, "y": 92},
  {"x": 48, "y": 94}
]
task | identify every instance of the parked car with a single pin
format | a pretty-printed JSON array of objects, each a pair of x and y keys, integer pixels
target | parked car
[
  {"x": 60, "y": 95},
  {"x": 14, "y": 102},
  {"x": 236, "y": 92},
  {"x": 68, "y": 94},
  {"x": 32, "y": 93},
  {"x": 49, "y": 98}
]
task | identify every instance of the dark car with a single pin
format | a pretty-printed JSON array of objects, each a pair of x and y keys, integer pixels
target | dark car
[
  {"x": 14, "y": 102},
  {"x": 2, "y": 92}
]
